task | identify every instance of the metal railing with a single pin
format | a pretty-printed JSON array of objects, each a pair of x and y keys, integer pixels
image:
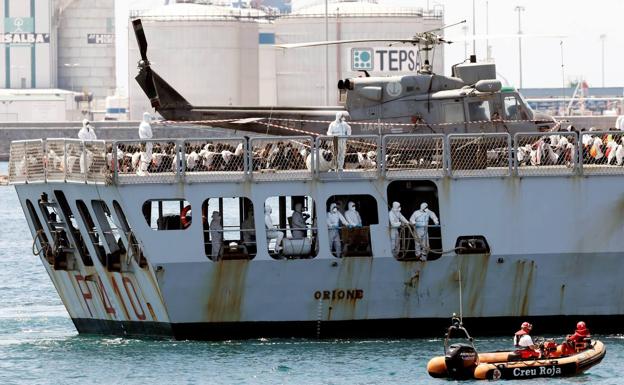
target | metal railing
[
  {"x": 147, "y": 161},
  {"x": 215, "y": 159},
  {"x": 545, "y": 155},
  {"x": 602, "y": 152},
  {"x": 281, "y": 158},
  {"x": 304, "y": 158},
  {"x": 26, "y": 161},
  {"x": 479, "y": 155},
  {"x": 345, "y": 156},
  {"x": 414, "y": 156}
]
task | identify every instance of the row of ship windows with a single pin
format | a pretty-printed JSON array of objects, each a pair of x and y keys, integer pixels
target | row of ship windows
[
  {"x": 291, "y": 227},
  {"x": 108, "y": 237},
  {"x": 291, "y": 224}
]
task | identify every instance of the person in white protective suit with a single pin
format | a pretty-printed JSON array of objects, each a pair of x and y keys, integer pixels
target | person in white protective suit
[
  {"x": 339, "y": 127},
  {"x": 352, "y": 216},
  {"x": 145, "y": 132},
  {"x": 396, "y": 220},
  {"x": 420, "y": 219},
  {"x": 298, "y": 221},
  {"x": 334, "y": 219},
  {"x": 86, "y": 132},
  {"x": 216, "y": 235},
  {"x": 271, "y": 232},
  {"x": 248, "y": 226}
]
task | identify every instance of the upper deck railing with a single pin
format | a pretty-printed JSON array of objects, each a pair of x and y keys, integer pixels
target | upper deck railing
[{"x": 273, "y": 158}]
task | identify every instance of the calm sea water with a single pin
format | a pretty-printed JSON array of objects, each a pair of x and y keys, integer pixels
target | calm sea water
[{"x": 39, "y": 345}]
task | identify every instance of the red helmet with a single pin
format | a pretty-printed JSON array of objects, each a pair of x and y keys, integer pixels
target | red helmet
[
  {"x": 526, "y": 325},
  {"x": 581, "y": 327}
]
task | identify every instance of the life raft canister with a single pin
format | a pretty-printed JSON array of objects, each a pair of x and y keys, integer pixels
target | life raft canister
[{"x": 186, "y": 221}]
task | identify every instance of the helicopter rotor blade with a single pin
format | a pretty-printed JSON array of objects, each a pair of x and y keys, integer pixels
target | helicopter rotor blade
[
  {"x": 145, "y": 78},
  {"x": 140, "y": 36},
  {"x": 446, "y": 26},
  {"x": 410, "y": 40}
]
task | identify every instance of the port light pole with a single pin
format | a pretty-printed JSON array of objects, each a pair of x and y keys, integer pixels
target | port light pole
[{"x": 519, "y": 9}]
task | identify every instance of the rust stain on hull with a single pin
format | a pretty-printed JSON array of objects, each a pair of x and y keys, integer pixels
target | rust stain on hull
[
  {"x": 474, "y": 271},
  {"x": 524, "y": 272},
  {"x": 226, "y": 291},
  {"x": 354, "y": 273}
]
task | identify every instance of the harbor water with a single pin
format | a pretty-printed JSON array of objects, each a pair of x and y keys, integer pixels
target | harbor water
[{"x": 39, "y": 344}]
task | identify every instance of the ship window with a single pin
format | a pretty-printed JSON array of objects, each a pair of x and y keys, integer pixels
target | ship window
[
  {"x": 479, "y": 110},
  {"x": 72, "y": 225},
  {"x": 290, "y": 227},
  {"x": 167, "y": 214},
  {"x": 43, "y": 244},
  {"x": 515, "y": 109},
  {"x": 92, "y": 232},
  {"x": 349, "y": 224},
  {"x": 134, "y": 245},
  {"x": 228, "y": 226},
  {"x": 453, "y": 112},
  {"x": 472, "y": 244},
  {"x": 414, "y": 232},
  {"x": 117, "y": 250}
]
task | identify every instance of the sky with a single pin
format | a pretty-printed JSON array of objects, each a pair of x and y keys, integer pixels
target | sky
[{"x": 557, "y": 32}]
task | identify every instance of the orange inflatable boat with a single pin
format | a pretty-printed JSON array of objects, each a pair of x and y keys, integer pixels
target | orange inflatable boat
[{"x": 461, "y": 360}]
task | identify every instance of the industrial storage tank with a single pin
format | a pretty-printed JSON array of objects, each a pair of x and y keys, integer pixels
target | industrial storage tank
[
  {"x": 301, "y": 72},
  {"x": 208, "y": 53},
  {"x": 86, "y": 47}
]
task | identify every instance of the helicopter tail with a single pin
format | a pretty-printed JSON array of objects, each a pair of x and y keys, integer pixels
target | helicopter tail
[{"x": 159, "y": 92}]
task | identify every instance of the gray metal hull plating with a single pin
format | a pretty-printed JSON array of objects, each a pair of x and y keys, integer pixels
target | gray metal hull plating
[{"x": 556, "y": 251}]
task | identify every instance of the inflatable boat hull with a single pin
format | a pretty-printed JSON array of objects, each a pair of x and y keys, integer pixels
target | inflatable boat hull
[{"x": 494, "y": 366}]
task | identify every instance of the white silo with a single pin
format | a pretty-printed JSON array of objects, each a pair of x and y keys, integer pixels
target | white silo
[
  {"x": 301, "y": 72},
  {"x": 86, "y": 46},
  {"x": 208, "y": 53}
]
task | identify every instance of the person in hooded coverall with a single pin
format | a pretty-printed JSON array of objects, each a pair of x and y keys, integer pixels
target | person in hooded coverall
[
  {"x": 298, "y": 222},
  {"x": 396, "y": 220},
  {"x": 145, "y": 132},
  {"x": 339, "y": 127},
  {"x": 352, "y": 216},
  {"x": 270, "y": 230},
  {"x": 334, "y": 219},
  {"x": 420, "y": 220},
  {"x": 86, "y": 133},
  {"x": 216, "y": 234}
]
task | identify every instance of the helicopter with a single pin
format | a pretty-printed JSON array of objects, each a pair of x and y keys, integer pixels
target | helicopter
[{"x": 471, "y": 100}]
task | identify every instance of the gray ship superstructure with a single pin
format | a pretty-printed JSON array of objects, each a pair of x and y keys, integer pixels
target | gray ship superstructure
[{"x": 530, "y": 227}]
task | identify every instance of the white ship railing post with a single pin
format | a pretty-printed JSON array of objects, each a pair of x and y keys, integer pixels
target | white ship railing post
[
  {"x": 447, "y": 157},
  {"x": 181, "y": 151},
  {"x": 381, "y": 156},
  {"x": 83, "y": 159},
  {"x": 579, "y": 153},
  {"x": 64, "y": 160},
  {"x": 514, "y": 154},
  {"x": 247, "y": 164},
  {"x": 45, "y": 160},
  {"x": 510, "y": 152},
  {"x": 115, "y": 161}
]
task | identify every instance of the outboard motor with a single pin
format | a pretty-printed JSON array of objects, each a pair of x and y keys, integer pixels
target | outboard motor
[
  {"x": 461, "y": 361},
  {"x": 461, "y": 358}
]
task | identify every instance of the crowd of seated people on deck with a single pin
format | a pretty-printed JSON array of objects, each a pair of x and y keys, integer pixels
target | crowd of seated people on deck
[{"x": 555, "y": 149}]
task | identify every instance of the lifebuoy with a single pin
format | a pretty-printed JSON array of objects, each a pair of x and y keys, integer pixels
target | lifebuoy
[{"x": 186, "y": 221}]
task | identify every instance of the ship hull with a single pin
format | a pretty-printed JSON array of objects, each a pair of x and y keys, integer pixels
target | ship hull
[{"x": 554, "y": 255}]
